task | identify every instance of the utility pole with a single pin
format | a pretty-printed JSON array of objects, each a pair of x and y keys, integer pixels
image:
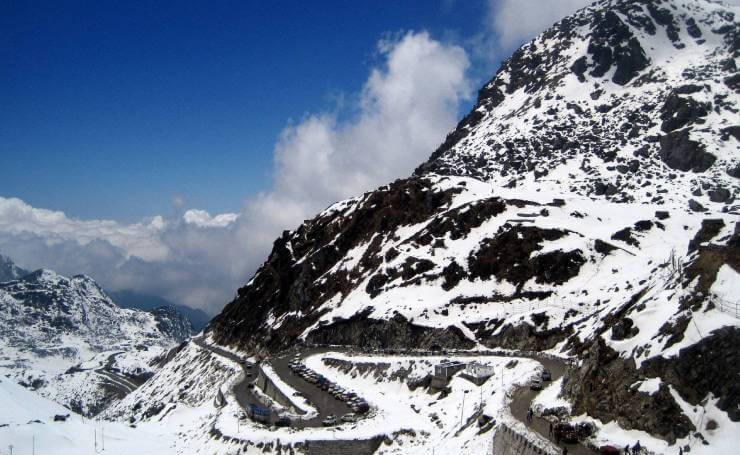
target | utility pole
[
  {"x": 463, "y": 407},
  {"x": 11, "y": 449},
  {"x": 95, "y": 436},
  {"x": 33, "y": 446},
  {"x": 102, "y": 430}
]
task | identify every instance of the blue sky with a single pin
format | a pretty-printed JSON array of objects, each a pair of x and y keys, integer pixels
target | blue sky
[
  {"x": 111, "y": 109},
  {"x": 162, "y": 147}
]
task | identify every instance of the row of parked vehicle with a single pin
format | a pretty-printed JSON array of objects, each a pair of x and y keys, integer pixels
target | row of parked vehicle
[{"x": 356, "y": 403}]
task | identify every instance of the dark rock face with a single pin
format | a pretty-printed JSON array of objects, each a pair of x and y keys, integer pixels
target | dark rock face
[
  {"x": 281, "y": 285},
  {"x": 603, "y": 247},
  {"x": 172, "y": 323},
  {"x": 677, "y": 112},
  {"x": 10, "y": 271},
  {"x": 679, "y": 152},
  {"x": 709, "y": 229},
  {"x": 711, "y": 257},
  {"x": 508, "y": 256},
  {"x": 695, "y": 206},
  {"x": 625, "y": 235},
  {"x": 657, "y": 414},
  {"x": 693, "y": 28},
  {"x": 396, "y": 333},
  {"x": 458, "y": 222},
  {"x": 613, "y": 44},
  {"x": 624, "y": 329},
  {"x": 526, "y": 337},
  {"x": 720, "y": 195},
  {"x": 710, "y": 366}
]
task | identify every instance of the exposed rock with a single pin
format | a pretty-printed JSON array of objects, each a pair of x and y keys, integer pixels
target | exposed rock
[
  {"x": 696, "y": 206},
  {"x": 657, "y": 414},
  {"x": 396, "y": 333},
  {"x": 508, "y": 256},
  {"x": 677, "y": 112},
  {"x": 710, "y": 366},
  {"x": 709, "y": 229},
  {"x": 719, "y": 195},
  {"x": 680, "y": 152}
]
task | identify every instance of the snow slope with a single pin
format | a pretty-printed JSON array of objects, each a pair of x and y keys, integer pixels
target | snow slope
[
  {"x": 27, "y": 423},
  {"x": 59, "y": 333}
]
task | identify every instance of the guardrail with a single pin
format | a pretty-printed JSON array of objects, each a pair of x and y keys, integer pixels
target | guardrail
[{"x": 726, "y": 306}]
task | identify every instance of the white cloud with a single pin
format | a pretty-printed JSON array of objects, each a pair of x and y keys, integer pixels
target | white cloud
[
  {"x": 401, "y": 115},
  {"x": 135, "y": 239},
  {"x": 405, "y": 109},
  {"x": 201, "y": 218},
  {"x": 512, "y": 22}
]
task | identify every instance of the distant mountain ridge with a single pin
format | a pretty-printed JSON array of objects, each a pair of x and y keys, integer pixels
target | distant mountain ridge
[
  {"x": 133, "y": 299},
  {"x": 10, "y": 271},
  {"x": 66, "y": 338}
]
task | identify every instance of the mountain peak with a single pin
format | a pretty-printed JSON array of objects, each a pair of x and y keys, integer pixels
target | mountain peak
[
  {"x": 10, "y": 271},
  {"x": 631, "y": 101},
  {"x": 44, "y": 276}
]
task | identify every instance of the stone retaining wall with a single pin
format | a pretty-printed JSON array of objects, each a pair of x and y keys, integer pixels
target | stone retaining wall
[
  {"x": 350, "y": 447},
  {"x": 271, "y": 390},
  {"x": 508, "y": 442}
]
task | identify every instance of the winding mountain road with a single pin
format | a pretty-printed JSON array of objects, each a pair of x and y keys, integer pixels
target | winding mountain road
[
  {"x": 326, "y": 404},
  {"x": 120, "y": 384},
  {"x": 522, "y": 402}
]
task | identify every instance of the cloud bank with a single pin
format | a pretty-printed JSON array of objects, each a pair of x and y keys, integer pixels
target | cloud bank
[
  {"x": 406, "y": 106},
  {"x": 512, "y": 22}
]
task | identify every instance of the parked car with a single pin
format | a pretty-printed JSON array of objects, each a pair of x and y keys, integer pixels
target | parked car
[
  {"x": 283, "y": 421},
  {"x": 536, "y": 384},
  {"x": 349, "y": 418},
  {"x": 330, "y": 420},
  {"x": 546, "y": 375},
  {"x": 361, "y": 407}
]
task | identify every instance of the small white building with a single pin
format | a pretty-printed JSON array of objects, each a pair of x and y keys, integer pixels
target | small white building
[
  {"x": 447, "y": 369},
  {"x": 477, "y": 372}
]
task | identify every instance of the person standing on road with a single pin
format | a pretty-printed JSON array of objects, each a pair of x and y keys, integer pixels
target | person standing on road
[
  {"x": 565, "y": 451},
  {"x": 549, "y": 432}
]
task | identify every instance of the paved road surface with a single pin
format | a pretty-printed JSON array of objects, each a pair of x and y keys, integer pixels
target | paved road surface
[
  {"x": 326, "y": 404},
  {"x": 244, "y": 395},
  {"x": 523, "y": 401},
  {"x": 122, "y": 385}
]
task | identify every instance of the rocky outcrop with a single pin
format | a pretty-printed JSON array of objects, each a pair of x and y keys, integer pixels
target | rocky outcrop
[
  {"x": 605, "y": 388},
  {"x": 679, "y": 152},
  {"x": 396, "y": 333}
]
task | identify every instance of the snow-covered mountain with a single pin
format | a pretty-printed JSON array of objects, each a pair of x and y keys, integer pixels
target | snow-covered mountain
[
  {"x": 66, "y": 339},
  {"x": 10, "y": 271},
  {"x": 586, "y": 206}
]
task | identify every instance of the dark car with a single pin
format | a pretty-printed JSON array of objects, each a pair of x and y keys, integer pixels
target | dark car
[
  {"x": 546, "y": 375},
  {"x": 536, "y": 385},
  {"x": 282, "y": 422}
]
